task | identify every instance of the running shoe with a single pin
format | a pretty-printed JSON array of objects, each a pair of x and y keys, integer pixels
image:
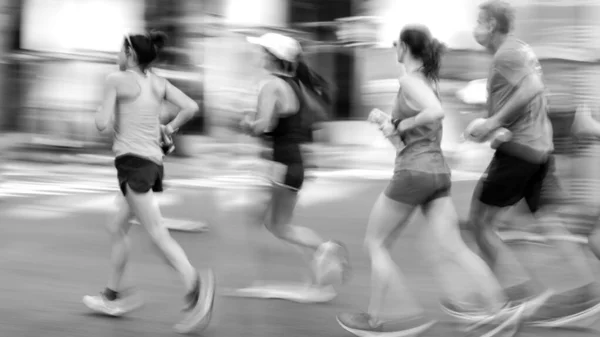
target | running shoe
[
  {"x": 199, "y": 305},
  {"x": 363, "y": 325},
  {"x": 333, "y": 250},
  {"x": 577, "y": 307},
  {"x": 530, "y": 306},
  {"x": 506, "y": 323},
  {"x": 120, "y": 306}
]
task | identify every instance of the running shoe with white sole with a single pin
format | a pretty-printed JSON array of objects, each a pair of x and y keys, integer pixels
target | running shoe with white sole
[
  {"x": 333, "y": 250},
  {"x": 579, "y": 307},
  {"x": 363, "y": 325},
  {"x": 504, "y": 323},
  {"x": 199, "y": 305},
  {"x": 118, "y": 307},
  {"x": 529, "y": 307}
]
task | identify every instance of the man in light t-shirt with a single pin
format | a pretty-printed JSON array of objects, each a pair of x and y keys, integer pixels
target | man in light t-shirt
[{"x": 522, "y": 168}]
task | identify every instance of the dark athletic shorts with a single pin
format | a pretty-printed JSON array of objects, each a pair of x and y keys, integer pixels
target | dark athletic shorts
[
  {"x": 418, "y": 188},
  {"x": 142, "y": 175},
  {"x": 290, "y": 156},
  {"x": 509, "y": 179}
]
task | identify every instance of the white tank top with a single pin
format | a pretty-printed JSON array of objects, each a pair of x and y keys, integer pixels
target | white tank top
[{"x": 137, "y": 123}]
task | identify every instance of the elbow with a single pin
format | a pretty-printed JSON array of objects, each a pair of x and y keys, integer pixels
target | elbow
[
  {"x": 101, "y": 125},
  {"x": 437, "y": 115},
  {"x": 194, "y": 108},
  {"x": 191, "y": 110}
]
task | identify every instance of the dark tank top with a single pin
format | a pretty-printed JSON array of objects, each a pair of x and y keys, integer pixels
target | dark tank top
[{"x": 289, "y": 133}]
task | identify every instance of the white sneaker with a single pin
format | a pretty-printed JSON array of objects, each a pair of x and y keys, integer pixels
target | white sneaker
[
  {"x": 332, "y": 257},
  {"x": 119, "y": 307},
  {"x": 200, "y": 314}
]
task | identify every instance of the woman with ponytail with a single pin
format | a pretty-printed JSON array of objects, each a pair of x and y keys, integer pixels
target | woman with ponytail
[
  {"x": 133, "y": 99},
  {"x": 287, "y": 102},
  {"x": 421, "y": 180}
]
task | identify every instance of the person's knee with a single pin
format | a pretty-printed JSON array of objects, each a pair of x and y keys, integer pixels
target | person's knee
[
  {"x": 448, "y": 241},
  {"x": 280, "y": 231},
  {"x": 374, "y": 242},
  {"x": 115, "y": 230}
]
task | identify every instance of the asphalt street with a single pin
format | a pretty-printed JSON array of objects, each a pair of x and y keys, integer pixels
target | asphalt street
[{"x": 54, "y": 250}]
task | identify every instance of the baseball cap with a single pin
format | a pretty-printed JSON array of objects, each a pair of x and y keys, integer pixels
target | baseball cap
[{"x": 283, "y": 47}]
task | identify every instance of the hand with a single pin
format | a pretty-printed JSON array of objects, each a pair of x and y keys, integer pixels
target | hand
[
  {"x": 483, "y": 130},
  {"x": 166, "y": 139},
  {"x": 388, "y": 128},
  {"x": 246, "y": 124},
  {"x": 167, "y": 130},
  {"x": 377, "y": 116}
]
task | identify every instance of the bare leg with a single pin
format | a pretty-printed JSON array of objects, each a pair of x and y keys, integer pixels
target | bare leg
[
  {"x": 452, "y": 257},
  {"x": 145, "y": 207},
  {"x": 118, "y": 229},
  {"x": 387, "y": 218}
]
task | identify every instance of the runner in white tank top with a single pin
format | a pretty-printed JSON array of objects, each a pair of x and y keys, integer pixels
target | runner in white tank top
[
  {"x": 132, "y": 103},
  {"x": 137, "y": 131}
]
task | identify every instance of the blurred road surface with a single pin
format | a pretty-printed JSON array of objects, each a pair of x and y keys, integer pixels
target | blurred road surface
[{"x": 55, "y": 250}]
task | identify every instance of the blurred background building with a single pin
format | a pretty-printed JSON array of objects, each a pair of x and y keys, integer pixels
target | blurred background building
[{"x": 57, "y": 52}]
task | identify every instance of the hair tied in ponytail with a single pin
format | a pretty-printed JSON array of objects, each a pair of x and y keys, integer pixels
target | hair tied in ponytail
[{"x": 158, "y": 39}]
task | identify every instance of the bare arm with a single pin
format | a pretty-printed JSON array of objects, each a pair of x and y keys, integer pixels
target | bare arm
[
  {"x": 266, "y": 109},
  {"x": 529, "y": 87},
  {"x": 420, "y": 94},
  {"x": 187, "y": 106},
  {"x": 105, "y": 114}
]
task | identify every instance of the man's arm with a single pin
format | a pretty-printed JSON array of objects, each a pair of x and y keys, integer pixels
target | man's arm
[
  {"x": 529, "y": 87},
  {"x": 520, "y": 69}
]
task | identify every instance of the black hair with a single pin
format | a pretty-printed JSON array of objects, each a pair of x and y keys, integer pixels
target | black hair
[
  {"x": 502, "y": 12},
  {"x": 423, "y": 46},
  {"x": 146, "y": 47},
  {"x": 313, "y": 81},
  {"x": 304, "y": 74}
]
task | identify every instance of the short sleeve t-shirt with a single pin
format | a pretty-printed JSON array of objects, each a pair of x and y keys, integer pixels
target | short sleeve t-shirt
[{"x": 531, "y": 129}]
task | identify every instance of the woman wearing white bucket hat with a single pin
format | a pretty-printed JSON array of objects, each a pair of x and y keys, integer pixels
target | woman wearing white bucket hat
[{"x": 288, "y": 101}]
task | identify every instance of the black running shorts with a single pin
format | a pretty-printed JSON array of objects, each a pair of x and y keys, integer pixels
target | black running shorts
[
  {"x": 509, "y": 179},
  {"x": 290, "y": 155},
  {"x": 142, "y": 175}
]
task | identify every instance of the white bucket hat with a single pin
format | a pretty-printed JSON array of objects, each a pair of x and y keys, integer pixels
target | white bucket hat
[{"x": 283, "y": 47}]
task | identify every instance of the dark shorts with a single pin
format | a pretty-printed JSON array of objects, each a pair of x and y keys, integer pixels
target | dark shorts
[
  {"x": 142, "y": 175},
  {"x": 291, "y": 159},
  {"x": 509, "y": 179},
  {"x": 418, "y": 188}
]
